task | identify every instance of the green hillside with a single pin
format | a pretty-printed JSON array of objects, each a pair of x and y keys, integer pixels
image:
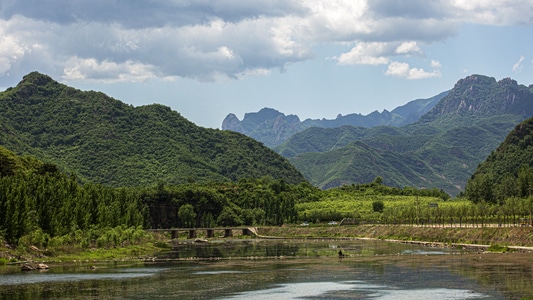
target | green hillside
[
  {"x": 105, "y": 141},
  {"x": 442, "y": 150},
  {"x": 507, "y": 171}
]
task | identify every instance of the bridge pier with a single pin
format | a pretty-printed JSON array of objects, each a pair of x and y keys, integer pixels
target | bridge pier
[
  {"x": 228, "y": 232},
  {"x": 192, "y": 233}
]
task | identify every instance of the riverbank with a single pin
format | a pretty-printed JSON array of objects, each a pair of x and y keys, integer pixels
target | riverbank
[
  {"x": 497, "y": 238},
  {"x": 511, "y": 237}
]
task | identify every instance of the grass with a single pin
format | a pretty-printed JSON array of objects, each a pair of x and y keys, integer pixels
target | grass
[
  {"x": 517, "y": 236},
  {"x": 143, "y": 248},
  {"x": 498, "y": 248}
]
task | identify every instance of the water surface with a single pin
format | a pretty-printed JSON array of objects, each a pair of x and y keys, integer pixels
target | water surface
[{"x": 286, "y": 270}]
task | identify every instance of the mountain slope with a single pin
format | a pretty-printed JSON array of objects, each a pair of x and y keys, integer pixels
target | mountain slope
[
  {"x": 106, "y": 141},
  {"x": 507, "y": 171},
  {"x": 451, "y": 139},
  {"x": 273, "y": 127},
  {"x": 350, "y": 164}
]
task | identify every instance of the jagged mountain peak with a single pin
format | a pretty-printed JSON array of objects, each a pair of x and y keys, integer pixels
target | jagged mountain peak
[
  {"x": 231, "y": 122},
  {"x": 442, "y": 150},
  {"x": 478, "y": 95},
  {"x": 273, "y": 127}
]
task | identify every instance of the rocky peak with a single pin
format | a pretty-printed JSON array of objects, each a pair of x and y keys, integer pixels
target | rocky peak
[
  {"x": 508, "y": 82},
  {"x": 261, "y": 116},
  {"x": 484, "y": 96},
  {"x": 231, "y": 122}
]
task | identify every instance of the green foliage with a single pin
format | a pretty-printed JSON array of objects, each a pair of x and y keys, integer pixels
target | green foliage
[
  {"x": 507, "y": 171},
  {"x": 103, "y": 237},
  {"x": 187, "y": 215},
  {"x": 498, "y": 248},
  {"x": 228, "y": 217},
  {"x": 105, "y": 141},
  {"x": 263, "y": 201},
  {"x": 441, "y": 150},
  {"x": 38, "y": 203},
  {"x": 378, "y": 206}
]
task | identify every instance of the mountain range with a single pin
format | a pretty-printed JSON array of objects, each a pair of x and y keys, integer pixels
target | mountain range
[
  {"x": 103, "y": 140},
  {"x": 439, "y": 150},
  {"x": 272, "y": 127}
]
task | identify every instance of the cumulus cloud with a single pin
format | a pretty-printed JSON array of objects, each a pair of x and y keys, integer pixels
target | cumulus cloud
[
  {"x": 377, "y": 53},
  {"x": 367, "y": 54},
  {"x": 10, "y": 51},
  {"x": 403, "y": 70},
  {"x": 205, "y": 40},
  {"x": 81, "y": 69},
  {"x": 410, "y": 47}
]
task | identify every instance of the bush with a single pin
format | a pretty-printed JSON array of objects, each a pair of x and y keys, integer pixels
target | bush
[
  {"x": 378, "y": 206},
  {"x": 37, "y": 238}
]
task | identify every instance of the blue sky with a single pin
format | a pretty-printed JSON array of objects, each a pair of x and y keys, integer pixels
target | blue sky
[{"x": 312, "y": 58}]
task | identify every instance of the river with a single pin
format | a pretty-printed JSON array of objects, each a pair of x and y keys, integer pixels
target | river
[{"x": 288, "y": 269}]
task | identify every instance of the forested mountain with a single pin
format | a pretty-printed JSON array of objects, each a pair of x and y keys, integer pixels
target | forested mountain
[
  {"x": 103, "y": 140},
  {"x": 273, "y": 127},
  {"x": 441, "y": 150},
  {"x": 507, "y": 171}
]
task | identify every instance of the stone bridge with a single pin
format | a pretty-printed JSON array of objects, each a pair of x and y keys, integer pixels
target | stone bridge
[{"x": 210, "y": 232}]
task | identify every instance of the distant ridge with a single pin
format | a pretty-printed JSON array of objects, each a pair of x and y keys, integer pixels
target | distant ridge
[
  {"x": 272, "y": 127},
  {"x": 441, "y": 150}
]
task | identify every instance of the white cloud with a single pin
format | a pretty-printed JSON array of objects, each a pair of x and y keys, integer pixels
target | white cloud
[
  {"x": 403, "y": 70},
  {"x": 366, "y": 54},
  {"x": 226, "y": 39},
  {"x": 495, "y": 12},
  {"x": 377, "y": 53},
  {"x": 435, "y": 64},
  {"x": 11, "y": 50},
  {"x": 106, "y": 71},
  {"x": 410, "y": 47},
  {"x": 517, "y": 68}
]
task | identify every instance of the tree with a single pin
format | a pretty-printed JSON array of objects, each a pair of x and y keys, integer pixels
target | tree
[
  {"x": 481, "y": 188},
  {"x": 525, "y": 181},
  {"x": 378, "y": 206},
  {"x": 228, "y": 217},
  {"x": 187, "y": 215}
]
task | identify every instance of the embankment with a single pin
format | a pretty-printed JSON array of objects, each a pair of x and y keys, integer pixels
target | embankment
[{"x": 507, "y": 236}]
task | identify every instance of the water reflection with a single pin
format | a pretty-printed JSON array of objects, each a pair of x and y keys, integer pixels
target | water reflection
[
  {"x": 288, "y": 270},
  {"x": 355, "y": 290},
  {"x": 39, "y": 277},
  {"x": 292, "y": 248}
]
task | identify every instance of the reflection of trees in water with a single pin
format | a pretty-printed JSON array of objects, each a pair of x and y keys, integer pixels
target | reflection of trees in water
[{"x": 225, "y": 250}]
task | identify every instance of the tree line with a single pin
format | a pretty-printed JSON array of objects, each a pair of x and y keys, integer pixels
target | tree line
[
  {"x": 44, "y": 200},
  {"x": 38, "y": 200}
]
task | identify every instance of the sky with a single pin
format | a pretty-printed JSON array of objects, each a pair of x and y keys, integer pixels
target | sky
[{"x": 312, "y": 58}]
